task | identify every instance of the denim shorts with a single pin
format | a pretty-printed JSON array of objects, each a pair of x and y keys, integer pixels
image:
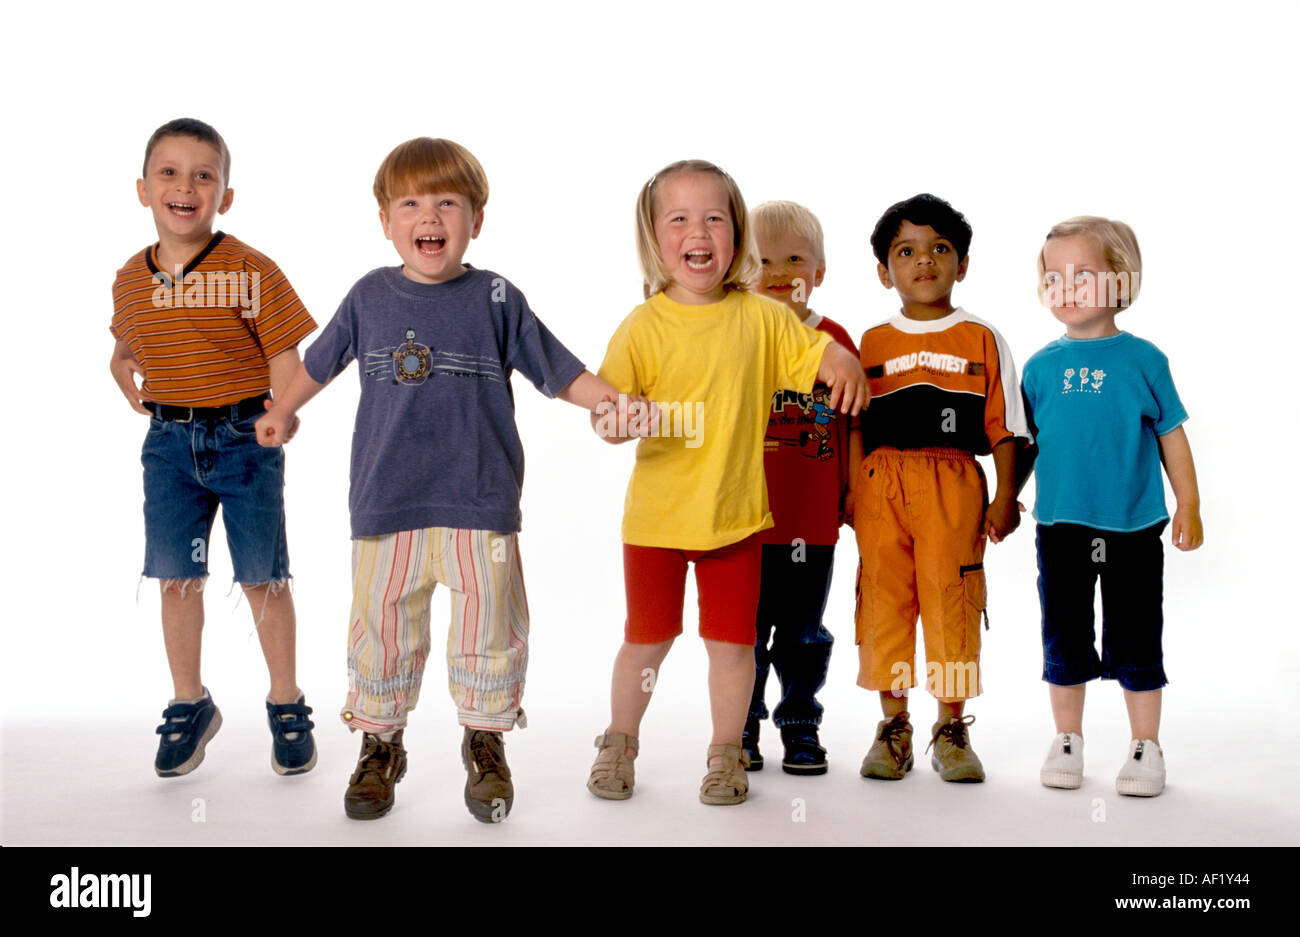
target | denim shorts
[
  {"x": 189, "y": 469},
  {"x": 1071, "y": 558}
]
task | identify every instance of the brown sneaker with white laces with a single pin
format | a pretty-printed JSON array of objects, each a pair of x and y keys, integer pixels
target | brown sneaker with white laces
[
  {"x": 380, "y": 766},
  {"x": 489, "y": 792},
  {"x": 953, "y": 757}
]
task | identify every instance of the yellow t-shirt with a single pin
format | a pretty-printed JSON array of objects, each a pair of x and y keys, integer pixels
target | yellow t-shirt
[{"x": 699, "y": 484}]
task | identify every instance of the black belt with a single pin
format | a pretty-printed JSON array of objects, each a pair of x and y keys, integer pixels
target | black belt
[{"x": 249, "y": 406}]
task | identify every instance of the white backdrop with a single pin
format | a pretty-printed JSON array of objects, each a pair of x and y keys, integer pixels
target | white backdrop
[{"x": 1177, "y": 118}]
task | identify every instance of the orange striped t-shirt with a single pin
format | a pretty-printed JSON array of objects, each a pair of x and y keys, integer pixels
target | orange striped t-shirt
[{"x": 205, "y": 339}]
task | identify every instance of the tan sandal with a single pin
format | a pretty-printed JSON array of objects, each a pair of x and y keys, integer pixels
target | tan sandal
[
  {"x": 613, "y": 775},
  {"x": 727, "y": 783}
]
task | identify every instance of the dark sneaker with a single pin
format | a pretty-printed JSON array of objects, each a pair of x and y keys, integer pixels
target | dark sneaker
[
  {"x": 953, "y": 757},
  {"x": 380, "y": 766},
  {"x": 488, "y": 791},
  {"x": 803, "y": 751},
  {"x": 186, "y": 730},
  {"x": 292, "y": 749},
  {"x": 890, "y": 755},
  {"x": 749, "y": 742}
]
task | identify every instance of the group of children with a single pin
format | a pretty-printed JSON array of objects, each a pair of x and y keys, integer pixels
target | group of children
[{"x": 782, "y": 449}]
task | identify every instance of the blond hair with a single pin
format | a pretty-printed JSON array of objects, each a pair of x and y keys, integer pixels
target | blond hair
[
  {"x": 1118, "y": 244},
  {"x": 424, "y": 165},
  {"x": 743, "y": 271},
  {"x": 782, "y": 217}
]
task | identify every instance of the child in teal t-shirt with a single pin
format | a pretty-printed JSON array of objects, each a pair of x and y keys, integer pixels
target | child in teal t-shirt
[{"x": 1104, "y": 412}]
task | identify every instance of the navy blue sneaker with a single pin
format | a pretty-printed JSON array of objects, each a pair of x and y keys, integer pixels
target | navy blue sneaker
[
  {"x": 186, "y": 730},
  {"x": 803, "y": 751},
  {"x": 293, "y": 751},
  {"x": 749, "y": 742}
]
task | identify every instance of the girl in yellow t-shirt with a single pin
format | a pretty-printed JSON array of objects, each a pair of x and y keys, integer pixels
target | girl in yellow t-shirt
[{"x": 709, "y": 354}]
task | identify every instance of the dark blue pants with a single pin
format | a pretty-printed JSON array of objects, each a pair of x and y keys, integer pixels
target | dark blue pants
[{"x": 790, "y": 607}]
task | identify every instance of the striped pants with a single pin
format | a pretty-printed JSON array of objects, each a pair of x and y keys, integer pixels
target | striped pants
[{"x": 487, "y": 647}]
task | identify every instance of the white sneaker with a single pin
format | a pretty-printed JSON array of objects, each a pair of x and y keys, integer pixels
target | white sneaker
[
  {"x": 1143, "y": 775},
  {"x": 1064, "y": 764}
]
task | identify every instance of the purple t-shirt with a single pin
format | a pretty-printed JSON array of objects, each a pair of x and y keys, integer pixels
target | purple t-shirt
[{"x": 435, "y": 443}]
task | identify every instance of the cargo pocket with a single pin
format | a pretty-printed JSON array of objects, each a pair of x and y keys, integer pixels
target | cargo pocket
[
  {"x": 975, "y": 599},
  {"x": 862, "y": 608}
]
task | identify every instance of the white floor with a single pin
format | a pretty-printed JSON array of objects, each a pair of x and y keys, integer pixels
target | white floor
[{"x": 92, "y": 784}]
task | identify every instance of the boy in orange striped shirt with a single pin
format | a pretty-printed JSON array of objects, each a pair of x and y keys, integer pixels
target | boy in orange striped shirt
[{"x": 210, "y": 325}]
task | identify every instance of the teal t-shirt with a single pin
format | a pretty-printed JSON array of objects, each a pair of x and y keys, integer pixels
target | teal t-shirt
[{"x": 1096, "y": 407}]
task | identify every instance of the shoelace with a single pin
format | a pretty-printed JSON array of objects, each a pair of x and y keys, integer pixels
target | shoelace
[
  {"x": 378, "y": 758},
  {"x": 890, "y": 734},
  {"x": 486, "y": 749},
  {"x": 955, "y": 731}
]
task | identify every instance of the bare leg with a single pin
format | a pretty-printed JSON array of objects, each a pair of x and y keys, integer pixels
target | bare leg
[
  {"x": 632, "y": 684},
  {"x": 891, "y": 703},
  {"x": 182, "y": 621},
  {"x": 731, "y": 685},
  {"x": 950, "y": 709},
  {"x": 1144, "y": 714},
  {"x": 1067, "y": 707},
  {"x": 273, "y": 609}
]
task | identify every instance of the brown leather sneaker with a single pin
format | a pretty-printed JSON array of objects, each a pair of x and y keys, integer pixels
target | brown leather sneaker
[
  {"x": 489, "y": 793},
  {"x": 380, "y": 766},
  {"x": 953, "y": 757},
  {"x": 890, "y": 756}
]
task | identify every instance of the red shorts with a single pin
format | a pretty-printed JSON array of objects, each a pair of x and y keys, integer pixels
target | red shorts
[{"x": 727, "y": 580}]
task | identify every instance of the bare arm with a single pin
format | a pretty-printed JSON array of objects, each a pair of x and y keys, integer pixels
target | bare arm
[
  {"x": 855, "y": 465},
  {"x": 1176, "y": 454},
  {"x": 123, "y": 367},
  {"x": 586, "y": 391},
  {"x": 1003, "y": 514},
  {"x": 280, "y": 422},
  {"x": 843, "y": 374},
  {"x": 611, "y": 410}
]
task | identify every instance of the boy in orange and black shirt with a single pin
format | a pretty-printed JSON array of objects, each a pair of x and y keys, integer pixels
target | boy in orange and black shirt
[
  {"x": 211, "y": 325},
  {"x": 943, "y": 390}
]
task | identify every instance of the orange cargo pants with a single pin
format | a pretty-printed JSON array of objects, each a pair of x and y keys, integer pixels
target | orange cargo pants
[{"x": 918, "y": 516}]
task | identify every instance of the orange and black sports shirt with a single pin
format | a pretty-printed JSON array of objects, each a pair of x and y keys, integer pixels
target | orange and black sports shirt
[
  {"x": 944, "y": 383},
  {"x": 205, "y": 339}
]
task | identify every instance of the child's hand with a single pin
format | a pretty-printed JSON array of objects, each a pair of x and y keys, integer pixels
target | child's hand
[
  {"x": 124, "y": 368},
  {"x": 1186, "y": 534},
  {"x": 274, "y": 428},
  {"x": 1002, "y": 518},
  {"x": 843, "y": 375},
  {"x": 625, "y": 417}
]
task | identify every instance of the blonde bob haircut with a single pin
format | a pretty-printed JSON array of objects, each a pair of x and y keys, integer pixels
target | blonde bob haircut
[
  {"x": 424, "y": 165},
  {"x": 782, "y": 217},
  {"x": 743, "y": 271},
  {"x": 1118, "y": 245}
]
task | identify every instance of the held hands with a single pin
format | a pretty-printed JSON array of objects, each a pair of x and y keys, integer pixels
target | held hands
[
  {"x": 1186, "y": 528},
  {"x": 275, "y": 427},
  {"x": 625, "y": 417},
  {"x": 1002, "y": 517}
]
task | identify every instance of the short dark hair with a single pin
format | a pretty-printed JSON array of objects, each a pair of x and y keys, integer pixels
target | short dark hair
[
  {"x": 922, "y": 210},
  {"x": 189, "y": 127}
]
